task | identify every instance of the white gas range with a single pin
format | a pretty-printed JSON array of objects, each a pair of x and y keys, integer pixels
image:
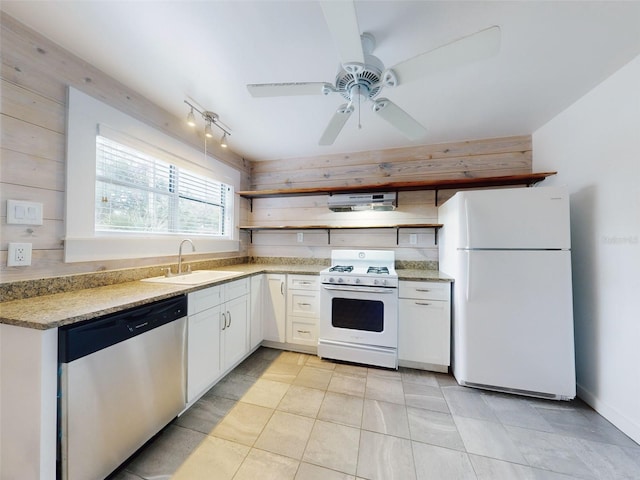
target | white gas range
[{"x": 359, "y": 308}]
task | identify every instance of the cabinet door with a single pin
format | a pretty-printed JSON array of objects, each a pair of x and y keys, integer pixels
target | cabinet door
[
  {"x": 203, "y": 351},
  {"x": 234, "y": 330},
  {"x": 255, "y": 311},
  {"x": 274, "y": 308},
  {"x": 424, "y": 331}
]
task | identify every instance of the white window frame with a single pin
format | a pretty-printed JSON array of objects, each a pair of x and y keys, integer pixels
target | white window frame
[{"x": 82, "y": 242}]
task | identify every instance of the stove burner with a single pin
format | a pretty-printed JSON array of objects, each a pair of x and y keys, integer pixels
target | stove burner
[
  {"x": 378, "y": 270},
  {"x": 341, "y": 268}
]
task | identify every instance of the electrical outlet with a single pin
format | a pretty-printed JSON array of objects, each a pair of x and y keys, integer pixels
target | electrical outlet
[
  {"x": 19, "y": 255},
  {"x": 300, "y": 237},
  {"x": 413, "y": 238}
]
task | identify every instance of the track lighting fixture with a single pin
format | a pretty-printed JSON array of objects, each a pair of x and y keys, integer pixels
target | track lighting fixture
[{"x": 210, "y": 119}]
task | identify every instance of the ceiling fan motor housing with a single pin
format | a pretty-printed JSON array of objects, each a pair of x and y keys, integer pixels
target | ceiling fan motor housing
[{"x": 365, "y": 75}]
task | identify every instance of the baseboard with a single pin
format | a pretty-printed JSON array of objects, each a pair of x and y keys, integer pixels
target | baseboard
[
  {"x": 612, "y": 414},
  {"x": 432, "y": 367}
]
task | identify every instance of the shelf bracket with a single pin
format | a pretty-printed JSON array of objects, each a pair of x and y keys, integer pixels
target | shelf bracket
[
  {"x": 397, "y": 235},
  {"x": 328, "y": 236},
  {"x": 435, "y": 235},
  {"x": 436, "y": 192}
]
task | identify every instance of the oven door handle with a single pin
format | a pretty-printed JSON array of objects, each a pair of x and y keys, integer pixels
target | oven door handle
[{"x": 360, "y": 289}]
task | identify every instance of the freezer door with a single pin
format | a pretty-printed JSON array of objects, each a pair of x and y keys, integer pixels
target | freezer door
[
  {"x": 528, "y": 218},
  {"x": 513, "y": 321}
]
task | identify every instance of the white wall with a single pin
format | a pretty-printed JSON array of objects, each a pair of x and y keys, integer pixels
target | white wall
[{"x": 595, "y": 147}]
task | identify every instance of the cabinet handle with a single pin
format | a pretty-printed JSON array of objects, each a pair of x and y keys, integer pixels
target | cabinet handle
[
  {"x": 304, "y": 283},
  {"x": 224, "y": 321},
  {"x": 423, "y": 303},
  {"x": 304, "y": 331},
  {"x": 304, "y": 304},
  {"x": 422, "y": 290},
  {"x": 281, "y": 288},
  {"x": 229, "y": 321}
]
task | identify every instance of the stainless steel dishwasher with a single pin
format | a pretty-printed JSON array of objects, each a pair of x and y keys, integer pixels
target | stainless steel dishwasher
[{"x": 122, "y": 379}]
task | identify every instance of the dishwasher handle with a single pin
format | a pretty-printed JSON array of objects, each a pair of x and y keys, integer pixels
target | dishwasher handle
[{"x": 81, "y": 339}]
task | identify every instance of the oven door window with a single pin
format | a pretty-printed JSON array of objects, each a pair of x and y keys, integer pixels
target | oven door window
[{"x": 364, "y": 315}]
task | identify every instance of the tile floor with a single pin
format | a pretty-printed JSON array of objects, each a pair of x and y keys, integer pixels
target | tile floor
[{"x": 284, "y": 415}]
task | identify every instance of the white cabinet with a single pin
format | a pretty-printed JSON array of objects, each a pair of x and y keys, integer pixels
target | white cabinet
[
  {"x": 203, "y": 340},
  {"x": 274, "y": 308},
  {"x": 424, "y": 325},
  {"x": 303, "y": 309},
  {"x": 256, "y": 309},
  {"x": 234, "y": 337},
  {"x": 218, "y": 335}
]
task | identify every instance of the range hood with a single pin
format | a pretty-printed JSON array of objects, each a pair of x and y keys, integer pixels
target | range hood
[{"x": 352, "y": 202}]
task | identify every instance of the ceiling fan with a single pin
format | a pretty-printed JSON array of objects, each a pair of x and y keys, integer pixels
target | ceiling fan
[{"x": 362, "y": 76}]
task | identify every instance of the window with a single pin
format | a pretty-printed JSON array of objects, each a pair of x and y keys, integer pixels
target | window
[
  {"x": 137, "y": 192},
  {"x": 157, "y": 190}
]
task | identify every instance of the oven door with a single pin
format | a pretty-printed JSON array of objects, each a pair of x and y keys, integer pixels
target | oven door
[{"x": 359, "y": 315}]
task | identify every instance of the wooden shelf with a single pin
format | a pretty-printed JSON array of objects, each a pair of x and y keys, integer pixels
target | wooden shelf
[
  {"x": 450, "y": 184},
  {"x": 328, "y": 228}
]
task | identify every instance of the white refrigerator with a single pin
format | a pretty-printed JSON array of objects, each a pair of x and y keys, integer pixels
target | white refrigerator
[{"x": 509, "y": 253}]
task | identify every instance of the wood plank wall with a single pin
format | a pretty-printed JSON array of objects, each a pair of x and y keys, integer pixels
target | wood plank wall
[
  {"x": 35, "y": 74},
  {"x": 480, "y": 158}
]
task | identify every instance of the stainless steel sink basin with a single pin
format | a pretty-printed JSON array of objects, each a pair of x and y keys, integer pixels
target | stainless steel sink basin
[{"x": 194, "y": 278}]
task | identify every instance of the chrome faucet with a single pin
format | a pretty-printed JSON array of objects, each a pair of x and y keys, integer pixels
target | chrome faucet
[{"x": 193, "y": 249}]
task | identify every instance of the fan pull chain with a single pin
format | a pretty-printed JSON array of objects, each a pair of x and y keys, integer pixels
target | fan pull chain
[{"x": 359, "y": 104}]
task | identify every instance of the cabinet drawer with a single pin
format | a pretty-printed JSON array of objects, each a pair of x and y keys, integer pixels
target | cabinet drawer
[
  {"x": 303, "y": 333},
  {"x": 425, "y": 290},
  {"x": 204, "y": 299},
  {"x": 236, "y": 289},
  {"x": 304, "y": 304},
  {"x": 303, "y": 282}
]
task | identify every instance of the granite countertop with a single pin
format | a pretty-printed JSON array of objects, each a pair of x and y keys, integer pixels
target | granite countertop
[{"x": 56, "y": 310}]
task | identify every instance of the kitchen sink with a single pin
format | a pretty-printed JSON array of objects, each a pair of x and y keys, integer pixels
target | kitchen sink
[{"x": 194, "y": 278}]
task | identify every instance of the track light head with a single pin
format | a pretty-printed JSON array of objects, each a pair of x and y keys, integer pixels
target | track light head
[
  {"x": 191, "y": 118},
  {"x": 207, "y": 130},
  {"x": 223, "y": 140}
]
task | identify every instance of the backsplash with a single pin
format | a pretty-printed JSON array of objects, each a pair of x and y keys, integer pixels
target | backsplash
[{"x": 48, "y": 286}]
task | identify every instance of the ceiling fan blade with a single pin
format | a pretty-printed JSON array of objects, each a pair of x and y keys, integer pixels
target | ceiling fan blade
[
  {"x": 400, "y": 119},
  {"x": 286, "y": 89},
  {"x": 343, "y": 25},
  {"x": 477, "y": 46},
  {"x": 335, "y": 124}
]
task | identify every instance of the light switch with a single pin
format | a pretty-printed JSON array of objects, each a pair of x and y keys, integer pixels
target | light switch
[{"x": 25, "y": 213}]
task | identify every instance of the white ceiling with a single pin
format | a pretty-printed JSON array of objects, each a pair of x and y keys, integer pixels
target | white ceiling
[{"x": 552, "y": 53}]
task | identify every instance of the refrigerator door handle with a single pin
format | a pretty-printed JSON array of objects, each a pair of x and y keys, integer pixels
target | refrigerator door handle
[
  {"x": 468, "y": 272},
  {"x": 466, "y": 225}
]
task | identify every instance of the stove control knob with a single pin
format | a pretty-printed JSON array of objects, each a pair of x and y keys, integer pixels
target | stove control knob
[
  {"x": 383, "y": 281},
  {"x": 340, "y": 280},
  {"x": 331, "y": 280},
  {"x": 357, "y": 280},
  {"x": 375, "y": 282}
]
